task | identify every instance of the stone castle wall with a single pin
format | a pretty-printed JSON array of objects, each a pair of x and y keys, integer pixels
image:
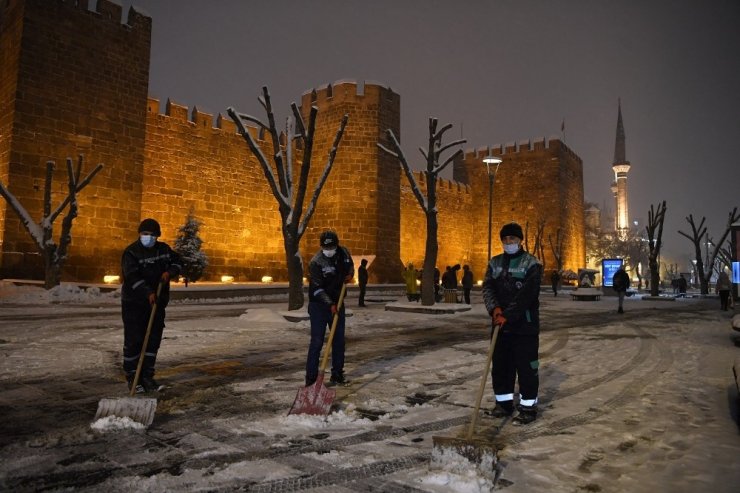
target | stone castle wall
[
  {"x": 163, "y": 162},
  {"x": 536, "y": 181},
  {"x": 81, "y": 82},
  {"x": 455, "y": 221}
]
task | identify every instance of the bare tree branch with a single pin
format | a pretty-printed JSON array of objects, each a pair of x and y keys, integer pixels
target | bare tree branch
[
  {"x": 330, "y": 162},
  {"x": 406, "y": 169},
  {"x": 267, "y": 170}
]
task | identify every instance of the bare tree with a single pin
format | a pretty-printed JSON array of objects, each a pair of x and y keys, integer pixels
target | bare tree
[
  {"x": 557, "y": 248},
  {"x": 428, "y": 204},
  {"x": 290, "y": 200},
  {"x": 704, "y": 267},
  {"x": 655, "y": 243},
  {"x": 539, "y": 240},
  {"x": 42, "y": 232}
]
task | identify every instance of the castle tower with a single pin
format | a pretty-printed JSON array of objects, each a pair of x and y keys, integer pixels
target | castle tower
[
  {"x": 619, "y": 187},
  {"x": 360, "y": 200},
  {"x": 72, "y": 81},
  {"x": 538, "y": 182}
]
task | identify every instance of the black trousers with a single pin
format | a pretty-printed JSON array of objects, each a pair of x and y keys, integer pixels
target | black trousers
[
  {"x": 135, "y": 319},
  {"x": 363, "y": 289},
  {"x": 515, "y": 356},
  {"x": 466, "y": 294},
  {"x": 724, "y": 298}
]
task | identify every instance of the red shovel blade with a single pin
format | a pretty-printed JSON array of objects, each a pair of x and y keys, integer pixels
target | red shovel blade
[{"x": 315, "y": 399}]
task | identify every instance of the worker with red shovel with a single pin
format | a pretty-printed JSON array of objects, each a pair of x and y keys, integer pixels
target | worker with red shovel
[
  {"x": 329, "y": 269},
  {"x": 511, "y": 291}
]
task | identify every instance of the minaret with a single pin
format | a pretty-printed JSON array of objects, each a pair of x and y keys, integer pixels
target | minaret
[{"x": 619, "y": 188}]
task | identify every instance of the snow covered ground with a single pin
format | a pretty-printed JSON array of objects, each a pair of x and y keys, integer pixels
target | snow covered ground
[{"x": 640, "y": 402}]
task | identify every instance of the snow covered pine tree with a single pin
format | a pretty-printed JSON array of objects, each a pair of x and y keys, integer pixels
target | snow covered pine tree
[{"x": 187, "y": 245}]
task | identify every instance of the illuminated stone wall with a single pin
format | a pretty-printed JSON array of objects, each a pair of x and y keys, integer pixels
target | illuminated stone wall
[
  {"x": 455, "y": 223},
  {"x": 361, "y": 198},
  {"x": 195, "y": 162},
  {"x": 536, "y": 180},
  {"x": 81, "y": 83}
]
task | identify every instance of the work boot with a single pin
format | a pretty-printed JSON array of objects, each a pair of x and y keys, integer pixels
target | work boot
[
  {"x": 338, "y": 379},
  {"x": 502, "y": 409},
  {"x": 620, "y": 310},
  {"x": 526, "y": 415},
  {"x": 151, "y": 385},
  {"x": 130, "y": 380}
]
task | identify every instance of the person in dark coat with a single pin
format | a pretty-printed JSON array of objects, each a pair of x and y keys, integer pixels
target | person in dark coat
[
  {"x": 145, "y": 264},
  {"x": 555, "y": 280},
  {"x": 511, "y": 290},
  {"x": 362, "y": 278},
  {"x": 682, "y": 285},
  {"x": 620, "y": 283},
  {"x": 467, "y": 282},
  {"x": 331, "y": 267}
]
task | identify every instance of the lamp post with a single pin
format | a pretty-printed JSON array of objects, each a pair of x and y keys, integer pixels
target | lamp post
[{"x": 489, "y": 160}]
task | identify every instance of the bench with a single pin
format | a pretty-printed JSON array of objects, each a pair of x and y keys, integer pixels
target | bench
[{"x": 586, "y": 294}]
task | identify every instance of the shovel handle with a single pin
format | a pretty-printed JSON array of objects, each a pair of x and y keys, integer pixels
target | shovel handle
[
  {"x": 140, "y": 365},
  {"x": 483, "y": 380},
  {"x": 325, "y": 359}
]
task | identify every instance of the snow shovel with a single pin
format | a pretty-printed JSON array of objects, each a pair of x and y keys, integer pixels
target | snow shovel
[
  {"x": 316, "y": 399},
  {"x": 139, "y": 409},
  {"x": 476, "y": 451}
]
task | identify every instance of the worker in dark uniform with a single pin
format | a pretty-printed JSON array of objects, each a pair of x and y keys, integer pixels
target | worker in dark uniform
[
  {"x": 144, "y": 264},
  {"x": 331, "y": 267},
  {"x": 511, "y": 290}
]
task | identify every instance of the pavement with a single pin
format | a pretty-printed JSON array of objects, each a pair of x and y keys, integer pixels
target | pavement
[{"x": 614, "y": 389}]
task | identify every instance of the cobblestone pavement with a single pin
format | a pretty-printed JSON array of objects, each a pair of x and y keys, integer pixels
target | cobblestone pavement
[{"x": 217, "y": 426}]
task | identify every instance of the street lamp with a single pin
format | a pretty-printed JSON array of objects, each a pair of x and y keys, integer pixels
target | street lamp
[{"x": 489, "y": 160}]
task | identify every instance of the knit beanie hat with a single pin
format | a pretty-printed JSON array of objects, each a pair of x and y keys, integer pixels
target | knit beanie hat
[
  {"x": 150, "y": 225},
  {"x": 511, "y": 229}
]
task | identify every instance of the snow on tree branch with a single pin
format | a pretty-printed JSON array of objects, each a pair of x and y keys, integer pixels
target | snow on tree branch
[
  {"x": 398, "y": 154},
  {"x": 33, "y": 229},
  {"x": 267, "y": 170},
  {"x": 327, "y": 169}
]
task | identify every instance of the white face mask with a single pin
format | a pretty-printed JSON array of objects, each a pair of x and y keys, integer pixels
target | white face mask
[
  {"x": 511, "y": 248},
  {"x": 329, "y": 253},
  {"x": 148, "y": 240}
]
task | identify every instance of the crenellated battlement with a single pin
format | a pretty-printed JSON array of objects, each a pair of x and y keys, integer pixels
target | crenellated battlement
[
  {"x": 199, "y": 120},
  {"x": 107, "y": 10},
  {"x": 348, "y": 91},
  {"x": 443, "y": 184},
  {"x": 518, "y": 148}
]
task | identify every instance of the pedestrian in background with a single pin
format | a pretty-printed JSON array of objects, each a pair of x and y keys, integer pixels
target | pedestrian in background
[
  {"x": 555, "y": 281},
  {"x": 467, "y": 282},
  {"x": 329, "y": 269},
  {"x": 511, "y": 291},
  {"x": 362, "y": 280},
  {"x": 145, "y": 264},
  {"x": 620, "y": 283},
  {"x": 723, "y": 289}
]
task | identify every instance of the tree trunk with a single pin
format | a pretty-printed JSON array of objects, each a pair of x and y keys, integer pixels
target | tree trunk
[
  {"x": 295, "y": 273},
  {"x": 654, "y": 277},
  {"x": 52, "y": 270},
  {"x": 430, "y": 260}
]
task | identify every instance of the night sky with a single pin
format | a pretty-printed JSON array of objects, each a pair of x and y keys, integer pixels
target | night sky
[{"x": 500, "y": 72}]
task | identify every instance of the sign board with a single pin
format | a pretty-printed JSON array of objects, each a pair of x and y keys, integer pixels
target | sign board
[
  {"x": 608, "y": 267},
  {"x": 735, "y": 258}
]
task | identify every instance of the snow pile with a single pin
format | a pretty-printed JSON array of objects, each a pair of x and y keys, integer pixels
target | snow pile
[
  {"x": 456, "y": 473},
  {"x": 261, "y": 315},
  {"x": 63, "y": 293},
  {"x": 736, "y": 322},
  {"x": 115, "y": 423}
]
